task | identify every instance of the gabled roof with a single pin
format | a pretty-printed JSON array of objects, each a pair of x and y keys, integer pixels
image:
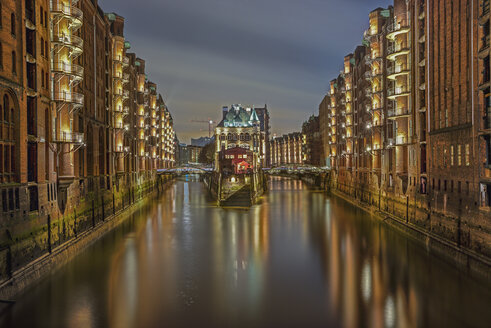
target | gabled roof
[{"x": 254, "y": 117}]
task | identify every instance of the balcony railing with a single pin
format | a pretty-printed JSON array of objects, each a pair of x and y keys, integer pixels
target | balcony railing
[
  {"x": 485, "y": 77},
  {"x": 68, "y": 69},
  {"x": 484, "y": 50},
  {"x": 69, "y": 97},
  {"x": 396, "y": 48},
  {"x": 123, "y": 110},
  {"x": 376, "y": 72},
  {"x": 68, "y": 137},
  {"x": 402, "y": 141},
  {"x": 484, "y": 14},
  {"x": 399, "y": 112},
  {"x": 397, "y": 91},
  {"x": 397, "y": 28},
  {"x": 397, "y": 69},
  {"x": 74, "y": 42},
  {"x": 118, "y": 58},
  {"x": 59, "y": 7}
]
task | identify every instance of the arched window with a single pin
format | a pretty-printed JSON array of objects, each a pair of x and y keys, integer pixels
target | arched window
[
  {"x": 41, "y": 15},
  {"x": 12, "y": 24},
  {"x": 42, "y": 45},
  {"x": 14, "y": 69},
  {"x": 1, "y": 55},
  {"x": 6, "y": 108},
  {"x": 0, "y": 14},
  {"x": 45, "y": 19},
  {"x": 47, "y": 80},
  {"x": 46, "y": 48},
  {"x": 42, "y": 78}
]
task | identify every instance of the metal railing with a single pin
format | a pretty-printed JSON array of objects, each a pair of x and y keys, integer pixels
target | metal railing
[
  {"x": 396, "y": 47},
  {"x": 68, "y": 68},
  {"x": 68, "y": 40},
  {"x": 485, "y": 8},
  {"x": 60, "y": 7},
  {"x": 394, "y": 27},
  {"x": 397, "y": 69},
  {"x": 398, "y": 112},
  {"x": 68, "y": 137},
  {"x": 485, "y": 41},
  {"x": 69, "y": 97},
  {"x": 401, "y": 140},
  {"x": 396, "y": 91}
]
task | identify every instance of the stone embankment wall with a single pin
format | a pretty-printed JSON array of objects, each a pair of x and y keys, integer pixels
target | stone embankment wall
[
  {"x": 222, "y": 187},
  {"x": 51, "y": 242},
  {"x": 462, "y": 235}
]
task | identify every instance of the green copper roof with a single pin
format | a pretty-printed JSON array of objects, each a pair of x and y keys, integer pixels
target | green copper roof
[
  {"x": 111, "y": 17},
  {"x": 127, "y": 44},
  {"x": 240, "y": 117}
]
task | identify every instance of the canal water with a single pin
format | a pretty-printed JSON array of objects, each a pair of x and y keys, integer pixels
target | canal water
[{"x": 299, "y": 259}]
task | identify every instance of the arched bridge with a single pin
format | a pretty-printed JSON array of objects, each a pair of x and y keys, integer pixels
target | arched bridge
[
  {"x": 178, "y": 171},
  {"x": 314, "y": 176},
  {"x": 295, "y": 170}
]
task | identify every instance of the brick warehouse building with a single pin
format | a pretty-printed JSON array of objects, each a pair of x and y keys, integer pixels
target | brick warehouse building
[
  {"x": 288, "y": 149},
  {"x": 406, "y": 125},
  {"x": 312, "y": 147},
  {"x": 82, "y": 132}
]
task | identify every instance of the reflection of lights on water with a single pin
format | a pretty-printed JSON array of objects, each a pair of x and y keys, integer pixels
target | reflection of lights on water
[
  {"x": 186, "y": 205},
  {"x": 256, "y": 233},
  {"x": 81, "y": 312},
  {"x": 390, "y": 312},
  {"x": 174, "y": 198},
  {"x": 343, "y": 246},
  {"x": 148, "y": 233},
  {"x": 366, "y": 282}
]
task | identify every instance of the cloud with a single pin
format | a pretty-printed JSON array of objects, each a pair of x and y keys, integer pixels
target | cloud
[{"x": 207, "y": 53}]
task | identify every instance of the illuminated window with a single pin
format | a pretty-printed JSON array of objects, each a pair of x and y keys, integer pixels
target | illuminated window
[
  {"x": 459, "y": 155},
  {"x": 452, "y": 154},
  {"x": 467, "y": 155}
]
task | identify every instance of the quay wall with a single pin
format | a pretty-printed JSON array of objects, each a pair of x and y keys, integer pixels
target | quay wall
[
  {"x": 454, "y": 230},
  {"x": 52, "y": 241}
]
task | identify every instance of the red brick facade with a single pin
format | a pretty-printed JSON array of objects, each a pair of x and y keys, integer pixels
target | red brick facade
[
  {"x": 68, "y": 155},
  {"x": 423, "y": 137}
]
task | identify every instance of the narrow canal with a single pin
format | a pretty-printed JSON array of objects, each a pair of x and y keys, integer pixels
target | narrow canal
[{"x": 300, "y": 259}]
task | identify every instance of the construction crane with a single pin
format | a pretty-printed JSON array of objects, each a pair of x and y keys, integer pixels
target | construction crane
[{"x": 210, "y": 125}]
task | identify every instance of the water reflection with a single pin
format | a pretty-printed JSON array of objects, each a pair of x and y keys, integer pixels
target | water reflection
[{"x": 297, "y": 260}]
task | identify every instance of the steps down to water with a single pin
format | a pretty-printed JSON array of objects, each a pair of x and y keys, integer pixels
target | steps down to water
[{"x": 240, "y": 198}]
